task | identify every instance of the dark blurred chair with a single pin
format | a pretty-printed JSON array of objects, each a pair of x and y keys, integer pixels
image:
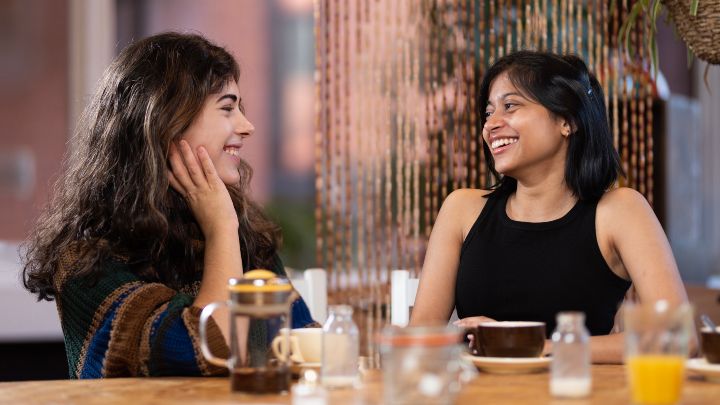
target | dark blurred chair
[{"x": 705, "y": 301}]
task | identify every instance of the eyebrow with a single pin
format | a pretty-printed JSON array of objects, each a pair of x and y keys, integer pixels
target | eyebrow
[
  {"x": 512, "y": 93},
  {"x": 230, "y": 96}
]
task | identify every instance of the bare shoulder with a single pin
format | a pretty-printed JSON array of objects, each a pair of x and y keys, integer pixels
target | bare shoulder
[
  {"x": 621, "y": 208},
  {"x": 463, "y": 206},
  {"x": 623, "y": 200},
  {"x": 466, "y": 201},
  {"x": 467, "y": 195}
]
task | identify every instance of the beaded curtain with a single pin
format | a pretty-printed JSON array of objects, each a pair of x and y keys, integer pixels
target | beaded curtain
[{"x": 397, "y": 120}]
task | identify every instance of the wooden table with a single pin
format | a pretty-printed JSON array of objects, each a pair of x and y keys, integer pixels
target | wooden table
[{"x": 609, "y": 387}]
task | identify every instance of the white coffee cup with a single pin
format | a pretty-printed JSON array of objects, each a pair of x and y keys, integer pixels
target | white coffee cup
[{"x": 305, "y": 345}]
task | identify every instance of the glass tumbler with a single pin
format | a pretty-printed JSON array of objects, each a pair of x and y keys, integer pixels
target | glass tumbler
[
  {"x": 422, "y": 365},
  {"x": 657, "y": 338}
]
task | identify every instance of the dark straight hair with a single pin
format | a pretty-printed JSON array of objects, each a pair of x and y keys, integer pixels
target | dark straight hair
[{"x": 563, "y": 85}]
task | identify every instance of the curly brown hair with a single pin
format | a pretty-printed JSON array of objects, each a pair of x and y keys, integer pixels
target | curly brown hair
[{"x": 113, "y": 197}]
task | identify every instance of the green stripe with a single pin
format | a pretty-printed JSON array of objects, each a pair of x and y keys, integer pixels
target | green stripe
[{"x": 80, "y": 301}]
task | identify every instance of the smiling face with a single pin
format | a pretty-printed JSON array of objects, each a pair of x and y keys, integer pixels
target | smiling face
[
  {"x": 221, "y": 128},
  {"x": 523, "y": 136}
]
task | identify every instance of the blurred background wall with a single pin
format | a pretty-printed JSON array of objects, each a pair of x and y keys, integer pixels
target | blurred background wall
[{"x": 33, "y": 107}]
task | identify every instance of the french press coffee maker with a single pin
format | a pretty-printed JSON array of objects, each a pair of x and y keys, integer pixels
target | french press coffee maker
[{"x": 259, "y": 310}]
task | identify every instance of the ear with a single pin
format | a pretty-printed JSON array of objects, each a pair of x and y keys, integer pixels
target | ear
[{"x": 567, "y": 128}]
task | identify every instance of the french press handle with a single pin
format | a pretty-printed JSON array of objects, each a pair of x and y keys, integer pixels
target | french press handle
[{"x": 204, "y": 316}]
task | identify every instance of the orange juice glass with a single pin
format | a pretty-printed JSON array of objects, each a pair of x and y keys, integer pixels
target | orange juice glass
[
  {"x": 656, "y": 378},
  {"x": 657, "y": 338}
]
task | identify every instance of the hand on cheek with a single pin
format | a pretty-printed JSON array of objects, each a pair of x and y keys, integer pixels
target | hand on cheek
[{"x": 194, "y": 176}]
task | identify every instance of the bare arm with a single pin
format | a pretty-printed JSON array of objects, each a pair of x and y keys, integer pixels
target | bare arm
[
  {"x": 635, "y": 246},
  {"x": 606, "y": 349},
  {"x": 196, "y": 179},
  {"x": 436, "y": 292}
]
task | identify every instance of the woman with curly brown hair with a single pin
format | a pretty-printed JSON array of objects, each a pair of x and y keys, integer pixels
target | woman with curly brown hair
[{"x": 151, "y": 215}]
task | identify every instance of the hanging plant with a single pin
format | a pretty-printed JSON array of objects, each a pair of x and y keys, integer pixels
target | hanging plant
[{"x": 697, "y": 24}]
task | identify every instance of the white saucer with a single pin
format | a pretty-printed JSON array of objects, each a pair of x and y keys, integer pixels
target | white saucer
[
  {"x": 509, "y": 365},
  {"x": 700, "y": 366}
]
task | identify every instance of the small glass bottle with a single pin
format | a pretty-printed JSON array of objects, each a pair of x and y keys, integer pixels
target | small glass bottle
[
  {"x": 570, "y": 368},
  {"x": 340, "y": 348}
]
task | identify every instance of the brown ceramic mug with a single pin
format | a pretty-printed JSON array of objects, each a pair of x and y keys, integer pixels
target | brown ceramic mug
[
  {"x": 508, "y": 339},
  {"x": 711, "y": 345}
]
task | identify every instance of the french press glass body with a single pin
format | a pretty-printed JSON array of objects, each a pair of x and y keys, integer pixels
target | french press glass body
[{"x": 260, "y": 304}]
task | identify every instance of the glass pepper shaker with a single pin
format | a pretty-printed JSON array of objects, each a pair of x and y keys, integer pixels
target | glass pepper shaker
[
  {"x": 570, "y": 368},
  {"x": 340, "y": 348}
]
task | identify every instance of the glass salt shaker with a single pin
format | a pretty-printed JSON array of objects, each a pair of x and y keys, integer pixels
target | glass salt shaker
[
  {"x": 340, "y": 348},
  {"x": 570, "y": 375}
]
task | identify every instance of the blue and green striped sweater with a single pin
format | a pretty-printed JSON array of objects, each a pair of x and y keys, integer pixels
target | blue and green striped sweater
[{"x": 122, "y": 326}]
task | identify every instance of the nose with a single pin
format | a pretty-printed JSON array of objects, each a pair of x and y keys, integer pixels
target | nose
[
  {"x": 243, "y": 126},
  {"x": 494, "y": 121}
]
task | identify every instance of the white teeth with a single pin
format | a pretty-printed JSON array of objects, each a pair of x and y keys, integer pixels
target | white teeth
[
  {"x": 232, "y": 151},
  {"x": 502, "y": 142}
]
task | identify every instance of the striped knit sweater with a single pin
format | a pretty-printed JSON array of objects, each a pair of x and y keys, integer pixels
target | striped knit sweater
[{"x": 123, "y": 326}]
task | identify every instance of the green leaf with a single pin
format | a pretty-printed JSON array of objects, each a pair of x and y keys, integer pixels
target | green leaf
[
  {"x": 705, "y": 78},
  {"x": 690, "y": 57},
  {"x": 654, "y": 56},
  {"x": 654, "y": 13},
  {"x": 652, "y": 39},
  {"x": 694, "y": 7},
  {"x": 631, "y": 22}
]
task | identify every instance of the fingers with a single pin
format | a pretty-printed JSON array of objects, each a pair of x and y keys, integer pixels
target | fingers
[
  {"x": 547, "y": 348},
  {"x": 208, "y": 167},
  {"x": 463, "y": 323},
  {"x": 472, "y": 321},
  {"x": 191, "y": 163},
  {"x": 191, "y": 172},
  {"x": 179, "y": 171},
  {"x": 175, "y": 184}
]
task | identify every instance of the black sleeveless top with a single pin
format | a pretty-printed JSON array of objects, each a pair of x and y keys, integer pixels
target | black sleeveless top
[{"x": 524, "y": 271}]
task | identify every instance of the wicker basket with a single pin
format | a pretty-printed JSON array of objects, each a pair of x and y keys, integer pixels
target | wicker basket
[{"x": 701, "y": 33}]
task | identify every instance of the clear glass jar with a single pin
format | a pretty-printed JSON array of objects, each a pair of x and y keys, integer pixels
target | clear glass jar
[
  {"x": 341, "y": 341},
  {"x": 423, "y": 365},
  {"x": 570, "y": 368}
]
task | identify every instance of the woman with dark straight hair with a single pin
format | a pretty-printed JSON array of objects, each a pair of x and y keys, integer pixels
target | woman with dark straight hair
[
  {"x": 152, "y": 216},
  {"x": 552, "y": 234}
]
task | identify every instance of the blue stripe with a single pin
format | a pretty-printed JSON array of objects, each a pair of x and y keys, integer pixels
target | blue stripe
[
  {"x": 300, "y": 314},
  {"x": 97, "y": 349},
  {"x": 172, "y": 351}
]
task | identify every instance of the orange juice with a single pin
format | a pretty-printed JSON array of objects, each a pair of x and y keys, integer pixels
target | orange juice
[{"x": 656, "y": 379}]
